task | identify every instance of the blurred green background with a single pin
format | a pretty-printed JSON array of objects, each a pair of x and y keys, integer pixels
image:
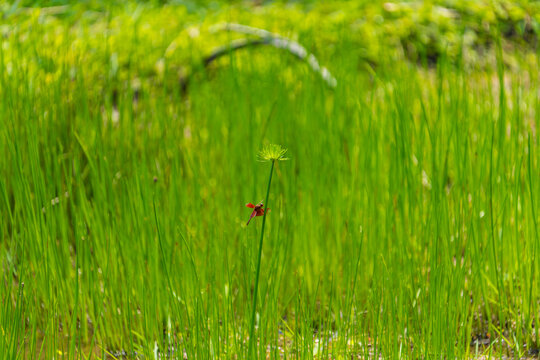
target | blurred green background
[{"x": 404, "y": 224}]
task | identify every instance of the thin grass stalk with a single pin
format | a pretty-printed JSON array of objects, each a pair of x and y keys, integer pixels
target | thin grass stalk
[{"x": 255, "y": 293}]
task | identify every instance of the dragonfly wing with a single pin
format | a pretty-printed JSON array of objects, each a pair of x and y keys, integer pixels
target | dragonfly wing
[
  {"x": 250, "y": 205},
  {"x": 260, "y": 212}
]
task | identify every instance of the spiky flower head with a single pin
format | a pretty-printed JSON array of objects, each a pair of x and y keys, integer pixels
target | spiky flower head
[{"x": 272, "y": 152}]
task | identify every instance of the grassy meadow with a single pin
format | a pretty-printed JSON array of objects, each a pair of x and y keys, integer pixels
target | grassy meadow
[{"x": 404, "y": 223}]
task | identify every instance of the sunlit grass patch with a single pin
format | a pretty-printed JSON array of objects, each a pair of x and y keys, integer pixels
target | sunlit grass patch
[{"x": 403, "y": 223}]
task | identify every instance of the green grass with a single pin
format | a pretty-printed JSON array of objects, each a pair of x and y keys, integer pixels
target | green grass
[{"x": 404, "y": 225}]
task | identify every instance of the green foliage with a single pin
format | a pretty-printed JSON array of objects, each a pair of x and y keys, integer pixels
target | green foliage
[
  {"x": 162, "y": 44},
  {"x": 403, "y": 224}
]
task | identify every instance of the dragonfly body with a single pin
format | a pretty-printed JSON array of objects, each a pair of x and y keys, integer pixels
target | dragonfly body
[{"x": 258, "y": 210}]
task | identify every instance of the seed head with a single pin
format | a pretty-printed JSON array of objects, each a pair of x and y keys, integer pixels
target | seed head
[{"x": 272, "y": 152}]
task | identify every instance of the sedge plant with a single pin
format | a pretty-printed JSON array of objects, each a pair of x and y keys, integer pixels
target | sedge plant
[{"x": 270, "y": 153}]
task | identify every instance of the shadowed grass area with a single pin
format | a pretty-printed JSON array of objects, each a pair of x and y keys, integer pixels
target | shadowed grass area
[{"x": 405, "y": 223}]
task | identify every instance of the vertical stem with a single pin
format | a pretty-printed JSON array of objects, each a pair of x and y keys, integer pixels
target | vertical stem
[
  {"x": 533, "y": 261},
  {"x": 255, "y": 293}
]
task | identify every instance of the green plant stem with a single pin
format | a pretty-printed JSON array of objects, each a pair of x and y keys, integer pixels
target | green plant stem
[{"x": 254, "y": 308}]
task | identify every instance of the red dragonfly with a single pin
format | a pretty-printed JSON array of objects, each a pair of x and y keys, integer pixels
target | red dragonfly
[{"x": 257, "y": 210}]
